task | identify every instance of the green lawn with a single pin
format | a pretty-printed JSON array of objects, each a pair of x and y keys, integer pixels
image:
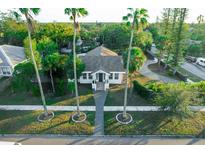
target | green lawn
[
  {"x": 156, "y": 123},
  {"x": 23, "y": 98},
  {"x": 115, "y": 97},
  {"x": 25, "y": 122}
]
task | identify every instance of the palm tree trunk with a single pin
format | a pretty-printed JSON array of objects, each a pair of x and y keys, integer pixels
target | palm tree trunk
[
  {"x": 75, "y": 72},
  {"x": 52, "y": 82},
  {"x": 127, "y": 72},
  {"x": 37, "y": 73}
]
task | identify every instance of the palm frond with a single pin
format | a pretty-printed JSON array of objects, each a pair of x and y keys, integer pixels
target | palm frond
[{"x": 35, "y": 11}]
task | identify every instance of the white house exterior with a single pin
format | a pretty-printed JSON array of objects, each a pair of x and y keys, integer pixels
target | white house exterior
[
  {"x": 10, "y": 56},
  {"x": 102, "y": 68}
]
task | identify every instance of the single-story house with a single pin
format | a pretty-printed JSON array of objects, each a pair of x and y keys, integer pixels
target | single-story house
[
  {"x": 10, "y": 56},
  {"x": 102, "y": 68}
]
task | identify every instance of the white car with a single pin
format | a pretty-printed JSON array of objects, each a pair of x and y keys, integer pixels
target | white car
[
  {"x": 9, "y": 143},
  {"x": 201, "y": 61}
]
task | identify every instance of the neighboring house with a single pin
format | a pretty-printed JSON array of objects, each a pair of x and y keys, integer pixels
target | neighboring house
[
  {"x": 10, "y": 56},
  {"x": 102, "y": 68}
]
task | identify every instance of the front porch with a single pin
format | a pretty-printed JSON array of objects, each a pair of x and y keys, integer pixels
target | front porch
[{"x": 100, "y": 80}]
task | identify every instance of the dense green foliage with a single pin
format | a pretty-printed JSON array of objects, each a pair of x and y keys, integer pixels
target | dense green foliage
[
  {"x": 80, "y": 67},
  {"x": 11, "y": 31},
  {"x": 143, "y": 40},
  {"x": 22, "y": 79},
  {"x": 142, "y": 90},
  {"x": 60, "y": 33},
  {"x": 115, "y": 36},
  {"x": 177, "y": 99},
  {"x": 137, "y": 59},
  {"x": 28, "y": 51}
]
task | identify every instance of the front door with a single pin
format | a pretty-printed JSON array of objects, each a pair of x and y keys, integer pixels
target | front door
[{"x": 100, "y": 77}]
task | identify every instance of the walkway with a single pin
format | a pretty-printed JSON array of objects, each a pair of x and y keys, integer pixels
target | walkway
[
  {"x": 99, "y": 107},
  {"x": 152, "y": 75},
  {"x": 100, "y": 97}
]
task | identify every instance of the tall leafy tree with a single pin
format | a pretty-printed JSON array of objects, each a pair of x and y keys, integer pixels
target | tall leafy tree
[
  {"x": 179, "y": 31},
  {"x": 137, "y": 59},
  {"x": 28, "y": 14},
  {"x": 53, "y": 62},
  {"x": 137, "y": 19},
  {"x": 74, "y": 14},
  {"x": 200, "y": 19}
]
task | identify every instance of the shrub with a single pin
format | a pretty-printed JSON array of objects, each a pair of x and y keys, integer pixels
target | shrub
[
  {"x": 177, "y": 99},
  {"x": 142, "y": 90},
  {"x": 61, "y": 86},
  {"x": 35, "y": 90},
  {"x": 22, "y": 76},
  {"x": 71, "y": 86}
]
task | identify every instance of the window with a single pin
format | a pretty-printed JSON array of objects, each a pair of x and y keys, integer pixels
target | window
[
  {"x": 84, "y": 75},
  {"x": 111, "y": 76},
  {"x": 116, "y": 76},
  {"x": 90, "y": 76},
  {"x": 5, "y": 71}
]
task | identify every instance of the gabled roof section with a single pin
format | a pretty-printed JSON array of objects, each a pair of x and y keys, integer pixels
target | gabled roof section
[
  {"x": 12, "y": 54},
  {"x": 105, "y": 63},
  {"x": 101, "y": 51}
]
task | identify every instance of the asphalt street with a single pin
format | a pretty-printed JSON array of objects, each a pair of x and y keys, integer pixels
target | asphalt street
[
  {"x": 194, "y": 69},
  {"x": 103, "y": 140}
]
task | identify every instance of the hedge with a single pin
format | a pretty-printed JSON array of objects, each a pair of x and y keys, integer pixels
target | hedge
[{"x": 142, "y": 90}]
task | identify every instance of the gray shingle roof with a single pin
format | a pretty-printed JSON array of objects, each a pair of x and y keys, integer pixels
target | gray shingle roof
[
  {"x": 104, "y": 59},
  {"x": 14, "y": 53},
  {"x": 101, "y": 51}
]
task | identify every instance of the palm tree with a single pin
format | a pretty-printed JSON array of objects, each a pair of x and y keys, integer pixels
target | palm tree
[
  {"x": 138, "y": 19},
  {"x": 73, "y": 14},
  {"x": 200, "y": 19},
  {"x": 27, "y": 13}
]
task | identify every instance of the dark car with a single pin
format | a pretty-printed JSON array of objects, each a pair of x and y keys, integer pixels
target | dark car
[{"x": 190, "y": 59}]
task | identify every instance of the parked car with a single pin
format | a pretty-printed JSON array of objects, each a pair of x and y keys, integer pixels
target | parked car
[
  {"x": 201, "y": 61},
  {"x": 9, "y": 143},
  {"x": 191, "y": 59}
]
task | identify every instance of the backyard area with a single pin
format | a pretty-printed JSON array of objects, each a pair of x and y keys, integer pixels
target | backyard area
[
  {"x": 156, "y": 123},
  {"x": 25, "y": 122}
]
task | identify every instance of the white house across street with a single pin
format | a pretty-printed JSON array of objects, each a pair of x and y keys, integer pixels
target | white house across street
[{"x": 10, "y": 56}]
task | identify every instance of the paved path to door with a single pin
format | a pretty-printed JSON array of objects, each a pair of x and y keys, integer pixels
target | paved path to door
[
  {"x": 98, "y": 108},
  {"x": 100, "y": 97}
]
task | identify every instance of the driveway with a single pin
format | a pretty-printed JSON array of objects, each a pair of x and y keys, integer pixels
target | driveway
[
  {"x": 194, "y": 69},
  {"x": 152, "y": 75}
]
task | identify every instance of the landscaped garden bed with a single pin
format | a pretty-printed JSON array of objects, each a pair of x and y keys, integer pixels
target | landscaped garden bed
[
  {"x": 156, "y": 123},
  {"x": 25, "y": 122}
]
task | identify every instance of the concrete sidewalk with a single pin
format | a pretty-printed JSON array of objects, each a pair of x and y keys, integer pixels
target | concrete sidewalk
[{"x": 89, "y": 108}]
